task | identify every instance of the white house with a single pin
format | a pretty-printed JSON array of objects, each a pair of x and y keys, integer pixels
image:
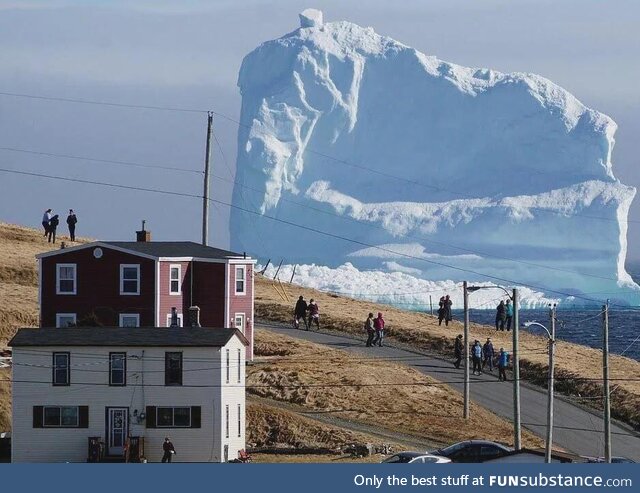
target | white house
[{"x": 71, "y": 384}]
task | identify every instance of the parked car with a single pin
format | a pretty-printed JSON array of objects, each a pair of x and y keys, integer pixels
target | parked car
[
  {"x": 614, "y": 460},
  {"x": 415, "y": 457},
  {"x": 472, "y": 451}
]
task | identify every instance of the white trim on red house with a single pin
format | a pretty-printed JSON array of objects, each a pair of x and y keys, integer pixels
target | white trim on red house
[
  {"x": 121, "y": 316},
  {"x": 227, "y": 295},
  {"x": 75, "y": 280},
  {"x": 179, "y": 267},
  {"x": 243, "y": 268},
  {"x": 125, "y": 266},
  {"x": 157, "y": 295},
  {"x": 100, "y": 244},
  {"x": 66, "y": 315}
]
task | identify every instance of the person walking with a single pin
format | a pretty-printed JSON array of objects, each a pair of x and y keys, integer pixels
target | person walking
[
  {"x": 300, "y": 312},
  {"x": 168, "y": 450},
  {"x": 314, "y": 314},
  {"x": 71, "y": 222},
  {"x": 488, "y": 353},
  {"x": 476, "y": 353},
  {"x": 46, "y": 217},
  {"x": 53, "y": 225},
  {"x": 503, "y": 364},
  {"x": 378, "y": 325},
  {"x": 369, "y": 327},
  {"x": 448, "y": 316},
  {"x": 509, "y": 314},
  {"x": 441, "y": 310},
  {"x": 501, "y": 315},
  {"x": 457, "y": 351}
]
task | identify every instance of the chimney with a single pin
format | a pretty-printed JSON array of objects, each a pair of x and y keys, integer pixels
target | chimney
[
  {"x": 143, "y": 235},
  {"x": 194, "y": 316}
]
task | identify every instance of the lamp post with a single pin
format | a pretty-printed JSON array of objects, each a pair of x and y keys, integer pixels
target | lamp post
[{"x": 552, "y": 341}]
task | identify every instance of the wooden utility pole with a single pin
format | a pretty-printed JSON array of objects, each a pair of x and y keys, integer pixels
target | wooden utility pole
[
  {"x": 465, "y": 353},
  {"x": 605, "y": 377},
  {"x": 552, "y": 342},
  {"x": 205, "y": 196},
  {"x": 517, "y": 426}
]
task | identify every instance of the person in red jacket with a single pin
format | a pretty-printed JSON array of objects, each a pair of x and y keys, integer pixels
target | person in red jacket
[{"x": 378, "y": 324}]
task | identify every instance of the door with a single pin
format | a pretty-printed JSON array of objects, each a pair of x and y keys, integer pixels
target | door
[
  {"x": 117, "y": 428},
  {"x": 239, "y": 322}
]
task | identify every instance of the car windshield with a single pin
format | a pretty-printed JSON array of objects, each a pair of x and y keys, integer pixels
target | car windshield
[{"x": 451, "y": 449}]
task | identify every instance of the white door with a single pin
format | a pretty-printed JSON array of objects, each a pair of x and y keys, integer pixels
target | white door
[
  {"x": 117, "y": 429},
  {"x": 239, "y": 322}
]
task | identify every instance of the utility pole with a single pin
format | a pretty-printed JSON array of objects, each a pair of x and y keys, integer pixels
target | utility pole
[
  {"x": 552, "y": 343},
  {"x": 517, "y": 427},
  {"x": 605, "y": 376},
  {"x": 465, "y": 353},
  {"x": 205, "y": 196}
]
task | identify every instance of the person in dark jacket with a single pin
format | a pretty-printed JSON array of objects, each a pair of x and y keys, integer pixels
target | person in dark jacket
[
  {"x": 503, "y": 364},
  {"x": 488, "y": 354},
  {"x": 501, "y": 315},
  {"x": 46, "y": 217},
  {"x": 71, "y": 222},
  {"x": 314, "y": 314},
  {"x": 300, "y": 312},
  {"x": 457, "y": 351},
  {"x": 476, "y": 354},
  {"x": 378, "y": 325},
  {"x": 53, "y": 225},
  {"x": 444, "y": 312},
  {"x": 168, "y": 449},
  {"x": 369, "y": 327},
  {"x": 441, "y": 310},
  {"x": 509, "y": 312}
]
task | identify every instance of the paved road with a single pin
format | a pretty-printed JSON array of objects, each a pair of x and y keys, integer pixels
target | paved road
[{"x": 575, "y": 428}]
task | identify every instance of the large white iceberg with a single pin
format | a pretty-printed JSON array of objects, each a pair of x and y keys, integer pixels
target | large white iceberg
[{"x": 429, "y": 168}]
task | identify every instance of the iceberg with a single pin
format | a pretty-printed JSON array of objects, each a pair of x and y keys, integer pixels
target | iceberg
[{"x": 411, "y": 165}]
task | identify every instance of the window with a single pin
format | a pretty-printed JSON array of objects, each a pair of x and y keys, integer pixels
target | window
[
  {"x": 61, "y": 370},
  {"x": 239, "y": 365},
  {"x": 130, "y": 279},
  {"x": 118, "y": 369},
  {"x": 175, "y": 276},
  {"x": 179, "y": 320},
  {"x": 239, "y": 421},
  {"x": 173, "y": 368},
  {"x": 226, "y": 421},
  {"x": 58, "y": 416},
  {"x": 129, "y": 320},
  {"x": 238, "y": 322},
  {"x": 65, "y": 278},
  {"x": 65, "y": 320},
  {"x": 228, "y": 366},
  {"x": 173, "y": 417},
  {"x": 240, "y": 279}
]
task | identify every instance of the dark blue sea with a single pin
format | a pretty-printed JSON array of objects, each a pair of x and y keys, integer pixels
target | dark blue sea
[{"x": 583, "y": 326}]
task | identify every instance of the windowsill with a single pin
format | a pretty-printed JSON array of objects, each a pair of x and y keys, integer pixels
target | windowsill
[
  {"x": 129, "y": 294},
  {"x": 175, "y": 294},
  {"x": 59, "y": 293},
  {"x": 240, "y": 293}
]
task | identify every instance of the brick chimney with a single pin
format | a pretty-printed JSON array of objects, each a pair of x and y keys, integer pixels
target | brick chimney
[{"x": 143, "y": 235}]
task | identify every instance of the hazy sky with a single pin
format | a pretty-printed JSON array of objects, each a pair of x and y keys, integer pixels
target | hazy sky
[{"x": 187, "y": 54}]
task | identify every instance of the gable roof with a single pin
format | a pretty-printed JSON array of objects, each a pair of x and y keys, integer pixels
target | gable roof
[{"x": 119, "y": 336}]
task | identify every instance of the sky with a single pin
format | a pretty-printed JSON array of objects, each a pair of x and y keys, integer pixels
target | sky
[{"x": 187, "y": 55}]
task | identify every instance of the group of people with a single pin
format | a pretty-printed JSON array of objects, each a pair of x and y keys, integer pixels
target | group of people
[
  {"x": 504, "y": 315},
  {"x": 300, "y": 312},
  {"x": 482, "y": 356},
  {"x": 374, "y": 328},
  {"x": 51, "y": 221},
  {"x": 444, "y": 310}
]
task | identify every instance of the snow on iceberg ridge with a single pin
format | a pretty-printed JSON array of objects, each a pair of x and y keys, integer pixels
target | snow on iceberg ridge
[
  {"x": 509, "y": 165},
  {"x": 399, "y": 289}
]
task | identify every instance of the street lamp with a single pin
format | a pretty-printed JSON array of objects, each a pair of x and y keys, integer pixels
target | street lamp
[
  {"x": 552, "y": 341},
  {"x": 517, "y": 428}
]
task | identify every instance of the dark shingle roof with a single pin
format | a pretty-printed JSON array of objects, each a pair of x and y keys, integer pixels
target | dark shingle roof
[
  {"x": 174, "y": 249},
  {"x": 118, "y": 336}
]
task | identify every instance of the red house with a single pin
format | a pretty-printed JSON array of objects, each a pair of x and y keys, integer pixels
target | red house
[{"x": 136, "y": 284}]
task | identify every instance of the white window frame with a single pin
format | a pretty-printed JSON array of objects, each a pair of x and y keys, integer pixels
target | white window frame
[
  {"x": 226, "y": 435},
  {"x": 122, "y": 268},
  {"x": 228, "y": 353},
  {"x": 75, "y": 279},
  {"x": 243, "y": 268},
  {"x": 179, "y": 320},
  {"x": 131, "y": 315},
  {"x": 244, "y": 321},
  {"x": 239, "y": 365},
  {"x": 239, "y": 420},
  {"x": 179, "y": 267},
  {"x": 61, "y": 315}
]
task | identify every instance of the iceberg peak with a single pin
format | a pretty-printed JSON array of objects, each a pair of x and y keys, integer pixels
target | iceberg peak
[{"x": 310, "y": 18}]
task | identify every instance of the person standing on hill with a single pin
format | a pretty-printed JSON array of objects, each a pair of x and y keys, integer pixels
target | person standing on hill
[
  {"x": 509, "y": 313},
  {"x": 378, "y": 325},
  {"x": 488, "y": 353},
  {"x": 45, "y": 221},
  {"x": 457, "y": 351},
  {"x": 503, "y": 364},
  {"x": 300, "y": 312},
  {"x": 448, "y": 316},
  {"x": 314, "y": 314},
  {"x": 369, "y": 327},
  {"x": 501, "y": 315},
  {"x": 441, "y": 310},
  {"x": 476, "y": 353},
  {"x": 71, "y": 222},
  {"x": 53, "y": 225}
]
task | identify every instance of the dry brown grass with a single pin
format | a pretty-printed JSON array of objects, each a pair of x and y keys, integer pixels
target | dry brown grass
[
  {"x": 369, "y": 391},
  {"x": 5, "y": 400},
  {"x": 578, "y": 368}
]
